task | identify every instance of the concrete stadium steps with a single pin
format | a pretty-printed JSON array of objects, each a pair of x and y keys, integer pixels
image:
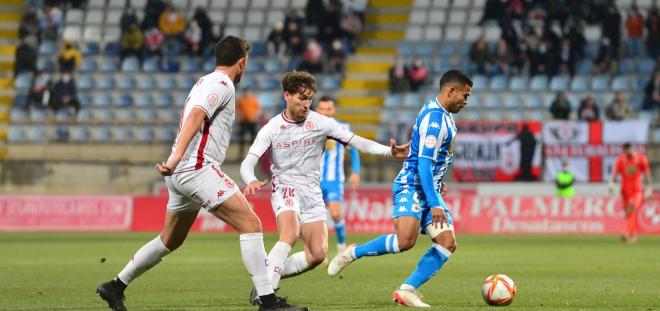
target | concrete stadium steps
[
  {"x": 380, "y": 17},
  {"x": 384, "y": 34},
  {"x": 10, "y": 16},
  {"x": 390, "y": 3}
]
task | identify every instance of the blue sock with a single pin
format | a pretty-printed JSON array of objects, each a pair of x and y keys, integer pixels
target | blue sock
[
  {"x": 384, "y": 244},
  {"x": 428, "y": 265},
  {"x": 340, "y": 231}
]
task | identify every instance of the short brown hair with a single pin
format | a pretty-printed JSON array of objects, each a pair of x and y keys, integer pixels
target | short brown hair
[
  {"x": 229, "y": 50},
  {"x": 298, "y": 81}
]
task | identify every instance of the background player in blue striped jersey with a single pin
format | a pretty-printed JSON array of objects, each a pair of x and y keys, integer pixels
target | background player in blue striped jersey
[
  {"x": 332, "y": 172},
  {"x": 417, "y": 192}
]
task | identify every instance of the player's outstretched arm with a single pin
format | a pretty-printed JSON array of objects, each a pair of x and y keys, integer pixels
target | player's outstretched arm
[
  {"x": 372, "y": 147},
  {"x": 190, "y": 127},
  {"x": 354, "y": 180},
  {"x": 247, "y": 173}
]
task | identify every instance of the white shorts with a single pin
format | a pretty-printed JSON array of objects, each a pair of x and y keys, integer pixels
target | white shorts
[
  {"x": 307, "y": 204},
  {"x": 207, "y": 187}
]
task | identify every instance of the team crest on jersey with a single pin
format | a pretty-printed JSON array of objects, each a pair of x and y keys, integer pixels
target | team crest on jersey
[
  {"x": 415, "y": 208},
  {"x": 430, "y": 142},
  {"x": 213, "y": 99},
  {"x": 229, "y": 183},
  {"x": 288, "y": 202},
  {"x": 309, "y": 125}
]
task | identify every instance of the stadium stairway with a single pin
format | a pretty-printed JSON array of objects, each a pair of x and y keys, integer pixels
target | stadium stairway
[
  {"x": 10, "y": 16},
  {"x": 361, "y": 97}
]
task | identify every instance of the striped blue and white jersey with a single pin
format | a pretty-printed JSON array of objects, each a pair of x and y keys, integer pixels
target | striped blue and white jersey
[
  {"x": 332, "y": 161},
  {"x": 432, "y": 138}
]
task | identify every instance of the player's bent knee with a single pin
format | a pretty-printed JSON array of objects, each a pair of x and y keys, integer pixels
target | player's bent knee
[
  {"x": 406, "y": 243},
  {"x": 249, "y": 224},
  {"x": 317, "y": 256}
]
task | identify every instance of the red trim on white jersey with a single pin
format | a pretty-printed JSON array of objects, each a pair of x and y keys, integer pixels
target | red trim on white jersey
[
  {"x": 202, "y": 144},
  {"x": 290, "y": 121}
]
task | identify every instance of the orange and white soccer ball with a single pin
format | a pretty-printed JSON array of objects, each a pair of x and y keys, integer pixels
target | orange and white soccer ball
[{"x": 498, "y": 290}]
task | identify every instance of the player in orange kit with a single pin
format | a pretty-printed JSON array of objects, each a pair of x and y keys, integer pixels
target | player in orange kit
[{"x": 631, "y": 165}]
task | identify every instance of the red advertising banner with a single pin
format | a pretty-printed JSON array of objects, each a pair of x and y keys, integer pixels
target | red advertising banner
[
  {"x": 497, "y": 151},
  {"x": 65, "y": 213}
]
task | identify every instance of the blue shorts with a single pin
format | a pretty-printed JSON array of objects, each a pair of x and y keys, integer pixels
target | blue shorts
[
  {"x": 333, "y": 191},
  {"x": 411, "y": 201}
]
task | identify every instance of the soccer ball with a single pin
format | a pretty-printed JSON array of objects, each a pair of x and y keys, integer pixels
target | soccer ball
[{"x": 498, "y": 290}]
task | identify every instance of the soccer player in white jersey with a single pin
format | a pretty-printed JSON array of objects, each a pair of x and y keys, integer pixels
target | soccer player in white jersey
[
  {"x": 418, "y": 190},
  {"x": 296, "y": 138},
  {"x": 194, "y": 179},
  {"x": 332, "y": 172}
]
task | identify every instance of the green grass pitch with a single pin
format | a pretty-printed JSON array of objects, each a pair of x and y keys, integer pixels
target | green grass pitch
[{"x": 59, "y": 271}]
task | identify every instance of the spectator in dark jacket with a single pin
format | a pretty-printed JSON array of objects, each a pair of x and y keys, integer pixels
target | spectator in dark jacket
[
  {"x": 652, "y": 93},
  {"x": 588, "y": 110},
  {"x": 29, "y": 25},
  {"x": 128, "y": 18},
  {"x": 560, "y": 107},
  {"x": 26, "y": 56},
  {"x": 64, "y": 94}
]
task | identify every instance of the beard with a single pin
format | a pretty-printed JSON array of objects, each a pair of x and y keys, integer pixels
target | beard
[{"x": 237, "y": 78}]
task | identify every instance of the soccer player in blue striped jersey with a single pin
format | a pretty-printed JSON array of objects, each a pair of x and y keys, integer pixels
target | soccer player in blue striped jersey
[
  {"x": 417, "y": 192},
  {"x": 332, "y": 172}
]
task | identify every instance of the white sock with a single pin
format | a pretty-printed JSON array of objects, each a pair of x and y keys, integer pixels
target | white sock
[
  {"x": 407, "y": 287},
  {"x": 276, "y": 258},
  {"x": 146, "y": 257},
  {"x": 254, "y": 258},
  {"x": 295, "y": 264}
]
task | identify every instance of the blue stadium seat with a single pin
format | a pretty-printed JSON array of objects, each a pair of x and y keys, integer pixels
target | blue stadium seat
[
  {"x": 109, "y": 65},
  {"x": 111, "y": 49},
  {"x": 447, "y": 48},
  {"x": 191, "y": 65},
  {"x": 85, "y": 82},
  {"x": 146, "y": 83},
  {"x": 627, "y": 66},
  {"x": 143, "y": 100},
  {"x": 273, "y": 66},
  {"x": 585, "y": 67},
  {"x": 330, "y": 83},
  {"x": 144, "y": 134},
  {"x": 102, "y": 100},
  {"x": 171, "y": 66},
  {"x": 173, "y": 48},
  {"x": 249, "y": 82},
  {"x": 127, "y": 82},
  {"x": 18, "y": 115},
  {"x": 150, "y": 65},
  {"x": 406, "y": 49},
  {"x": 164, "y": 100},
  {"x": 471, "y": 115},
  {"x": 600, "y": 83},
  {"x": 393, "y": 101},
  {"x": 123, "y": 100},
  {"x": 412, "y": 100},
  {"x": 474, "y": 101},
  {"x": 20, "y": 100},
  {"x": 38, "y": 115},
  {"x": 101, "y": 134},
  {"x": 90, "y": 49},
  {"x": 180, "y": 99},
  {"x": 559, "y": 83},
  {"x": 518, "y": 83},
  {"x": 186, "y": 82},
  {"x": 579, "y": 83},
  {"x": 538, "y": 83},
  {"x": 166, "y": 82},
  {"x": 130, "y": 64},
  {"x": 269, "y": 84},
  {"x": 125, "y": 115},
  {"x": 16, "y": 134},
  {"x": 646, "y": 65},
  {"x": 498, "y": 83},
  {"x": 104, "y": 115},
  {"x": 45, "y": 64},
  {"x": 121, "y": 134},
  {"x": 480, "y": 82},
  {"x": 515, "y": 115},
  {"x": 61, "y": 133},
  {"x": 168, "y": 116},
  {"x": 88, "y": 65},
  {"x": 146, "y": 116},
  {"x": 621, "y": 83},
  {"x": 258, "y": 49},
  {"x": 209, "y": 65},
  {"x": 513, "y": 101},
  {"x": 48, "y": 47},
  {"x": 37, "y": 134},
  {"x": 255, "y": 66},
  {"x": 62, "y": 115},
  {"x": 492, "y": 101},
  {"x": 85, "y": 115},
  {"x": 534, "y": 101},
  {"x": 23, "y": 81},
  {"x": 79, "y": 134},
  {"x": 105, "y": 83},
  {"x": 165, "y": 135},
  {"x": 85, "y": 100},
  {"x": 536, "y": 114},
  {"x": 268, "y": 100},
  {"x": 425, "y": 49}
]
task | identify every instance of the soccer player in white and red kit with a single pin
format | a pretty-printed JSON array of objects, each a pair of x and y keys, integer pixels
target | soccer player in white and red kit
[
  {"x": 296, "y": 139},
  {"x": 194, "y": 179}
]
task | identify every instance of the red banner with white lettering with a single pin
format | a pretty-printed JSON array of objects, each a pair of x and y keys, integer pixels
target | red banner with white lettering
[
  {"x": 497, "y": 151},
  {"x": 65, "y": 213}
]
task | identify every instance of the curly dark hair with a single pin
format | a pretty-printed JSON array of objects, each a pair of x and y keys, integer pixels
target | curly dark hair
[{"x": 298, "y": 82}]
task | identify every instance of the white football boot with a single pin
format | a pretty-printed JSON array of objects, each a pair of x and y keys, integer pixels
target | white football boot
[
  {"x": 409, "y": 297},
  {"x": 341, "y": 261}
]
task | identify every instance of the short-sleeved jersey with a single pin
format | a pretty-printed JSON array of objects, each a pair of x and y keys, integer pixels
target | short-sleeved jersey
[
  {"x": 631, "y": 169},
  {"x": 214, "y": 93},
  {"x": 432, "y": 138},
  {"x": 332, "y": 161},
  {"x": 296, "y": 147}
]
